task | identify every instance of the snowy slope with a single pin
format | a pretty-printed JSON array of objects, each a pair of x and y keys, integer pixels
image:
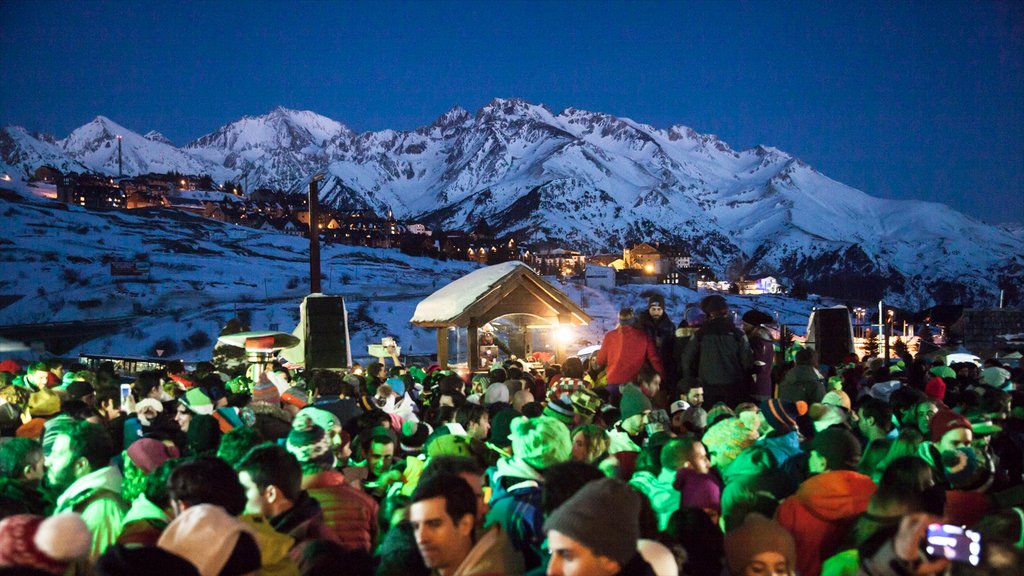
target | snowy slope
[{"x": 203, "y": 273}]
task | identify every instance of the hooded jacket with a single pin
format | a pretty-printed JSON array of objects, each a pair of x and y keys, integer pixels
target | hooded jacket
[
  {"x": 660, "y": 491},
  {"x": 97, "y": 497},
  {"x": 516, "y": 507},
  {"x": 720, "y": 355},
  {"x": 821, "y": 513},
  {"x": 492, "y": 555}
]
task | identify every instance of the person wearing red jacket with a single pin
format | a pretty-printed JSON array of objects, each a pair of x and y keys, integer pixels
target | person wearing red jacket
[{"x": 624, "y": 351}]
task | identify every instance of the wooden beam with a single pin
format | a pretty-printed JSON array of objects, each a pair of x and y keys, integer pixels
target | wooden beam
[
  {"x": 474, "y": 348},
  {"x": 442, "y": 347}
]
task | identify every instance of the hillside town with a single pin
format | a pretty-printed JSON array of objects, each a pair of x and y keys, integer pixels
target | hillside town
[{"x": 642, "y": 262}]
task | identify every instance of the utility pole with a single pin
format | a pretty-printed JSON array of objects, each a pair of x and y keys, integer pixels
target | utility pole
[
  {"x": 314, "y": 233},
  {"x": 120, "y": 166}
]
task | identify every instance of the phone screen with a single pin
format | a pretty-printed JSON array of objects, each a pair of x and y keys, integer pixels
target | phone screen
[
  {"x": 126, "y": 392},
  {"x": 953, "y": 543}
]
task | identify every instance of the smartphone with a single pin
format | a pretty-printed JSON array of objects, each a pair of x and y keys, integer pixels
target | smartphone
[
  {"x": 126, "y": 393},
  {"x": 953, "y": 543}
]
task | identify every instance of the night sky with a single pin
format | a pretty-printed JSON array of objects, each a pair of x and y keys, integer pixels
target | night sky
[{"x": 899, "y": 99}]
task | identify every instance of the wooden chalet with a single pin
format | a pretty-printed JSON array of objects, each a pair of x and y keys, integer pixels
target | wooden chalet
[{"x": 490, "y": 293}]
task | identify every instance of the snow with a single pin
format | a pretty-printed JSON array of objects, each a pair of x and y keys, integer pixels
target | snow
[{"x": 450, "y": 301}]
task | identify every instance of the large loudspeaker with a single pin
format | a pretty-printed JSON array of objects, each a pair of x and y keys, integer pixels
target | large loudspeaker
[
  {"x": 326, "y": 335},
  {"x": 831, "y": 334}
]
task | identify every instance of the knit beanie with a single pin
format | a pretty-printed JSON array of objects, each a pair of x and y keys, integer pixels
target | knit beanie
[
  {"x": 295, "y": 396},
  {"x": 43, "y": 403},
  {"x": 945, "y": 420},
  {"x": 585, "y": 402},
  {"x": 450, "y": 445},
  {"x": 121, "y": 560},
  {"x": 203, "y": 434},
  {"x": 935, "y": 388},
  {"x": 604, "y": 516},
  {"x": 148, "y": 453},
  {"x": 320, "y": 417},
  {"x": 655, "y": 299},
  {"x": 560, "y": 409},
  {"x": 781, "y": 415},
  {"x": 633, "y": 402},
  {"x": 495, "y": 393},
  {"x": 50, "y": 543},
  {"x": 757, "y": 534},
  {"x": 541, "y": 442},
  {"x": 501, "y": 428},
  {"x": 309, "y": 442},
  {"x": 714, "y": 304},
  {"x": 839, "y": 447},
  {"x": 206, "y": 536},
  {"x": 727, "y": 438},
  {"x": 79, "y": 389},
  {"x": 414, "y": 436},
  {"x": 397, "y": 385},
  {"x": 197, "y": 401},
  {"x": 265, "y": 391}
]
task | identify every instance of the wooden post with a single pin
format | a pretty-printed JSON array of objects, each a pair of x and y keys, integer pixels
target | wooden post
[
  {"x": 442, "y": 348},
  {"x": 473, "y": 347}
]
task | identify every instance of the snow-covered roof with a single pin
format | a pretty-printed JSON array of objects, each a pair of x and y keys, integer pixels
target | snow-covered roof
[{"x": 453, "y": 300}]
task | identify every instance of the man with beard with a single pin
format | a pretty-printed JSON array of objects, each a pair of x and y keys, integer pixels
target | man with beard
[
  {"x": 78, "y": 470},
  {"x": 661, "y": 329}
]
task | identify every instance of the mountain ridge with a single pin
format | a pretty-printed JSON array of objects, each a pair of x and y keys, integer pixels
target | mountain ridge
[{"x": 594, "y": 182}]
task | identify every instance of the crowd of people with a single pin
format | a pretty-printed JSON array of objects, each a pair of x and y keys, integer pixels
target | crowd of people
[{"x": 679, "y": 448}]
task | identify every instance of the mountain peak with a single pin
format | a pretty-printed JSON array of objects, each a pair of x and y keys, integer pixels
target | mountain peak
[
  {"x": 457, "y": 115},
  {"x": 155, "y": 136}
]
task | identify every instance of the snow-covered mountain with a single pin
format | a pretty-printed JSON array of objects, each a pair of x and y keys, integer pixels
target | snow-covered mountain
[
  {"x": 275, "y": 150},
  {"x": 595, "y": 182},
  {"x": 21, "y": 154},
  {"x": 95, "y": 145}
]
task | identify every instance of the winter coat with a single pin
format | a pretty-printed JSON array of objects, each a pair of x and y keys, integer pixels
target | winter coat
[
  {"x": 821, "y": 514},
  {"x": 624, "y": 351},
  {"x": 720, "y": 355},
  {"x": 348, "y": 512},
  {"x": 763, "y": 348},
  {"x": 802, "y": 383},
  {"x": 516, "y": 507},
  {"x": 492, "y": 555},
  {"x": 304, "y": 522},
  {"x": 143, "y": 524},
  {"x": 662, "y": 332},
  {"x": 660, "y": 491},
  {"x": 97, "y": 497},
  {"x": 274, "y": 547}
]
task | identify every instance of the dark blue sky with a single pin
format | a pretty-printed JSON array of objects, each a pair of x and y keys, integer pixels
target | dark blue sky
[{"x": 902, "y": 100}]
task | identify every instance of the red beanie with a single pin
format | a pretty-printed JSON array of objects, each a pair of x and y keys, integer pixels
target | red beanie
[
  {"x": 945, "y": 420},
  {"x": 936, "y": 389}
]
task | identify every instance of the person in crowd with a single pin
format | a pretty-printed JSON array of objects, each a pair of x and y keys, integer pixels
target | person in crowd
[
  {"x": 272, "y": 479},
  {"x": 624, "y": 351},
  {"x": 760, "y": 546},
  {"x": 762, "y": 347},
  {"x": 78, "y": 469},
  {"x": 443, "y": 517},
  {"x": 803, "y": 383},
  {"x": 595, "y": 532},
  {"x": 516, "y": 482},
  {"x": 348, "y": 512},
  {"x": 720, "y": 355},
  {"x": 661, "y": 329},
  {"x": 827, "y": 504}
]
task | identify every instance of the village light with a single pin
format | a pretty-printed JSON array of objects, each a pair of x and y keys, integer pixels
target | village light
[
  {"x": 563, "y": 334},
  {"x": 649, "y": 268}
]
